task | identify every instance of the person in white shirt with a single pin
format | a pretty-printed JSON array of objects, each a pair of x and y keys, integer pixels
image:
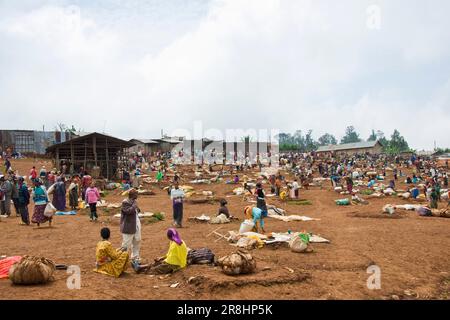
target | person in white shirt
[
  {"x": 177, "y": 195},
  {"x": 296, "y": 188}
]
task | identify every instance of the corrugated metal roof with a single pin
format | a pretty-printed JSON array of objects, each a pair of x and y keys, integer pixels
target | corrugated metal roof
[
  {"x": 145, "y": 141},
  {"x": 348, "y": 146},
  {"x": 80, "y": 138}
]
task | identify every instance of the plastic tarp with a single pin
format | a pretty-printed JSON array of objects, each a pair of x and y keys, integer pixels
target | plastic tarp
[
  {"x": 69, "y": 213},
  {"x": 6, "y": 264}
]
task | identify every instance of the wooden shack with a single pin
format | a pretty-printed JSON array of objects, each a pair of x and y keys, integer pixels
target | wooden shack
[{"x": 101, "y": 155}]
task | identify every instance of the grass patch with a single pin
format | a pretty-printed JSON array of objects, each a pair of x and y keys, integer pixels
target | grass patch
[{"x": 158, "y": 216}]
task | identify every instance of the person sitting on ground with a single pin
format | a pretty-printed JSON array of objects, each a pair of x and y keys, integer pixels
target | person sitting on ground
[
  {"x": 371, "y": 183},
  {"x": 414, "y": 192},
  {"x": 108, "y": 260},
  {"x": 223, "y": 208},
  {"x": 255, "y": 214},
  {"x": 236, "y": 179},
  {"x": 174, "y": 260}
]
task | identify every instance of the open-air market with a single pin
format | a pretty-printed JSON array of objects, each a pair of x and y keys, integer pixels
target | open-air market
[
  {"x": 313, "y": 221},
  {"x": 205, "y": 150}
]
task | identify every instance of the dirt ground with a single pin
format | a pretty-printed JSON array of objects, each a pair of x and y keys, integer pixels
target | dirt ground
[{"x": 411, "y": 251}]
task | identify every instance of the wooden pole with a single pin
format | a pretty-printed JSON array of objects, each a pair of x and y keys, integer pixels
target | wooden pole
[
  {"x": 58, "y": 167},
  {"x": 107, "y": 160},
  {"x": 72, "y": 159},
  {"x": 94, "y": 143},
  {"x": 85, "y": 155}
]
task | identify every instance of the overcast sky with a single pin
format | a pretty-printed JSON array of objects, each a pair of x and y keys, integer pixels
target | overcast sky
[{"x": 132, "y": 68}]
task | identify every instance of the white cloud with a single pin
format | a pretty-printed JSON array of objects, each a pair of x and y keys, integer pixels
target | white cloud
[{"x": 295, "y": 64}]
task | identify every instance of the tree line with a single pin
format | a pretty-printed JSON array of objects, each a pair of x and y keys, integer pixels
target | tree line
[{"x": 304, "y": 142}]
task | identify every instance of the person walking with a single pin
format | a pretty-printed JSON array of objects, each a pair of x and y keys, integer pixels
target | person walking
[
  {"x": 23, "y": 201},
  {"x": 33, "y": 174},
  {"x": 40, "y": 198},
  {"x": 92, "y": 197},
  {"x": 7, "y": 165},
  {"x": 130, "y": 227},
  {"x": 177, "y": 195}
]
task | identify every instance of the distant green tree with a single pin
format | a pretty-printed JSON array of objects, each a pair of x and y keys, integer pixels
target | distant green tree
[
  {"x": 440, "y": 151},
  {"x": 326, "y": 140},
  {"x": 297, "y": 141},
  {"x": 397, "y": 143},
  {"x": 373, "y": 136},
  {"x": 310, "y": 144},
  {"x": 350, "y": 136},
  {"x": 382, "y": 139}
]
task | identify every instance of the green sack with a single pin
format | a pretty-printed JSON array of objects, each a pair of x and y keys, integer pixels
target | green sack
[
  {"x": 304, "y": 237},
  {"x": 342, "y": 202}
]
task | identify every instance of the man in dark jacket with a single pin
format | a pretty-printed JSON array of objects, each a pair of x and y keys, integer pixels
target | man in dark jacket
[
  {"x": 15, "y": 194},
  {"x": 130, "y": 225},
  {"x": 23, "y": 201}
]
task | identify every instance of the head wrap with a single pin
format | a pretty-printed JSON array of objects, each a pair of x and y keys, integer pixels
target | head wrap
[{"x": 173, "y": 235}]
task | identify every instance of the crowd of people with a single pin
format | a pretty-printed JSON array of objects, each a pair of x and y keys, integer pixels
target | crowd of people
[{"x": 421, "y": 175}]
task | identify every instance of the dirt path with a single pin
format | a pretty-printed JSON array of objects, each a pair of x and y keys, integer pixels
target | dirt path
[{"x": 411, "y": 251}]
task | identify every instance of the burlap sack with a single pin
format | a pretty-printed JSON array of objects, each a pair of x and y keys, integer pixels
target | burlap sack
[
  {"x": 297, "y": 245},
  {"x": 239, "y": 262},
  {"x": 32, "y": 270}
]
